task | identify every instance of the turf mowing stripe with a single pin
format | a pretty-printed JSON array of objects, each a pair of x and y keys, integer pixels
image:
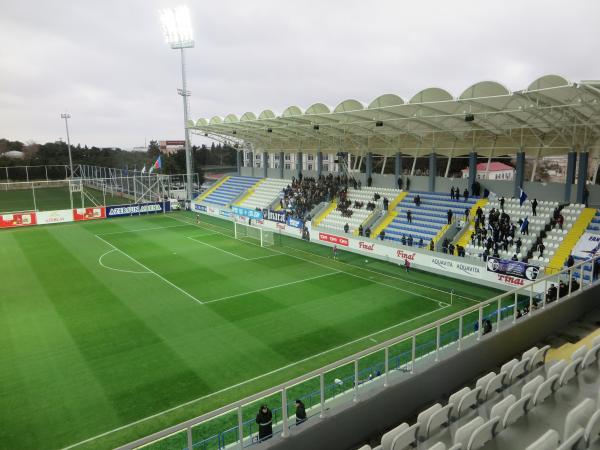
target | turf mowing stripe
[
  {"x": 151, "y": 271},
  {"x": 142, "y": 229},
  {"x": 235, "y": 386},
  {"x": 343, "y": 271},
  {"x": 339, "y": 262},
  {"x": 273, "y": 287},
  {"x": 217, "y": 248}
]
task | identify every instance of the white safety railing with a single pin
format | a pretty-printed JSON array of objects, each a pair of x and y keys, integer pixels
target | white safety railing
[{"x": 502, "y": 310}]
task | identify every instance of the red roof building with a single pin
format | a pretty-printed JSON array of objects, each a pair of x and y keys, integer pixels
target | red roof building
[{"x": 495, "y": 171}]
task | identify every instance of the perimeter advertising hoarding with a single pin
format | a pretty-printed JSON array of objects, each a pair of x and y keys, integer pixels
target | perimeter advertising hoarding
[
  {"x": 89, "y": 213},
  {"x": 137, "y": 209},
  {"x": 12, "y": 220},
  {"x": 512, "y": 268},
  {"x": 58, "y": 216},
  {"x": 587, "y": 246},
  {"x": 247, "y": 212}
]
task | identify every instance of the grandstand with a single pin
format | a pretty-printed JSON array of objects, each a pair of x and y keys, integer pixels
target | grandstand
[{"x": 227, "y": 190}]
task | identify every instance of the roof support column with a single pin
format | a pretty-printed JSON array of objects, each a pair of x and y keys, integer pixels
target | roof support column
[
  {"x": 398, "y": 166},
  {"x": 265, "y": 164},
  {"x": 298, "y": 164},
  {"x": 582, "y": 175},
  {"x": 281, "y": 164},
  {"x": 472, "y": 170},
  {"x": 570, "y": 179},
  {"x": 432, "y": 170},
  {"x": 414, "y": 164},
  {"x": 535, "y": 164},
  {"x": 449, "y": 162},
  {"x": 520, "y": 173},
  {"x": 239, "y": 161},
  {"x": 383, "y": 165},
  {"x": 319, "y": 163},
  {"x": 369, "y": 165},
  {"x": 251, "y": 162}
]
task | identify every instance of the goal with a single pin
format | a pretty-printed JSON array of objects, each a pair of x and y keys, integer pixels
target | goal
[{"x": 245, "y": 232}]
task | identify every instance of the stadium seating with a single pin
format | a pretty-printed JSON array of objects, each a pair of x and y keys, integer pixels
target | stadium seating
[
  {"x": 264, "y": 193},
  {"x": 537, "y": 224},
  {"x": 427, "y": 219},
  {"x": 336, "y": 221},
  {"x": 593, "y": 227},
  {"x": 229, "y": 190},
  {"x": 529, "y": 404}
]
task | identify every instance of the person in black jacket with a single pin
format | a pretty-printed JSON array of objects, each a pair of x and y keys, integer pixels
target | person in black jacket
[
  {"x": 264, "y": 419},
  {"x": 300, "y": 412}
]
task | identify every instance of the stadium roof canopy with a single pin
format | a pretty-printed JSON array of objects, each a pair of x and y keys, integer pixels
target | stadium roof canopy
[{"x": 551, "y": 116}]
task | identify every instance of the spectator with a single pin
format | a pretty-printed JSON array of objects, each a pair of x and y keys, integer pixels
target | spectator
[
  {"x": 502, "y": 203},
  {"x": 534, "y": 204},
  {"x": 368, "y": 232},
  {"x": 570, "y": 260},
  {"x": 467, "y": 211},
  {"x": 400, "y": 183},
  {"x": 452, "y": 193},
  {"x": 406, "y": 264},
  {"x": 574, "y": 284},
  {"x": 586, "y": 196},
  {"x": 487, "y": 326},
  {"x": 403, "y": 240},
  {"x": 264, "y": 419},
  {"x": 346, "y": 228},
  {"x": 466, "y": 195},
  {"x": 382, "y": 235},
  {"x": 409, "y": 216},
  {"x": 407, "y": 183},
  {"x": 431, "y": 245},
  {"x": 386, "y": 203},
  {"x": 449, "y": 216},
  {"x": 560, "y": 221},
  {"x": 359, "y": 185},
  {"x": 421, "y": 243},
  {"x": 360, "y": 230},
  {"x": 409, "y": 241},
  {"x": 563, "y": 289},
  {"x": 300, "y": 412},
  {"x": 369, "y": 181},
  {"x": 514, "y": 257}
]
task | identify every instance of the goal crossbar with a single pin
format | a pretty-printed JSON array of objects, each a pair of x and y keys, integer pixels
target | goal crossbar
[{"x": 265, "y": 237}]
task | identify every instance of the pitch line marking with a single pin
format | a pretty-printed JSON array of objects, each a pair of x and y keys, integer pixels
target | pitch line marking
[
  {"x": 114, "y": 268},
  {"x": 272, "y": 287},
  {"x": 250, "y": 380},
  {"x": 217, "y": 248},
  {"x": 343, "y": 271},
  {"x": 339, "y": 262},
  {"x": 151, "y": 271},
  {"x": 141, "y": 229}
]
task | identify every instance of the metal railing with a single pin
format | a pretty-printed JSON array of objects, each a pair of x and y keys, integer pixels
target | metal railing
[{"x": 501, "y": 311}]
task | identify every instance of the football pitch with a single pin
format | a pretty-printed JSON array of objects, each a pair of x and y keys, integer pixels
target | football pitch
[{"x": 114, "y": 329}]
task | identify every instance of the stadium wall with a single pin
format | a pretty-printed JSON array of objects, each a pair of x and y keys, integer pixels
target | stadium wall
[{"x": 385, "y": 408}]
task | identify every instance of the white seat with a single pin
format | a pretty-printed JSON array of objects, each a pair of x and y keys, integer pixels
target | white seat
[
  {"x": 515, "y": 411},
  {"x": 557, "y": 368},
  {"x": 463, "y": 434},
  {"x": 539, "y": 357},
  {"x": 387, "y": 438},
  {"x": 468, "y": 401},
  {"x": 548, "y": 441},
  {"x": 456, "y": 398},
  {"x": 545, "y": 390},
  {"x": 437, "y": 420},
  {"x": 406, "y": 438},
  {"x": 423, "y": 419},
  {"x": 592, "y": 429},
  {"x": 518, "y": 370},
  {"x": 483, "y": 434},
  {"x": 500, "y": 408},
  {"x": 494, "y": 385},
  {"x": 569, "y": 372},
  {"x": 578, "y": 417},
  {"x": 572, "y": 442},
  {"x": 531, "y": 387}
]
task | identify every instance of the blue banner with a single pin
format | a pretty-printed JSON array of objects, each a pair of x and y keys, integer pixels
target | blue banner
[
  {"x": 225, "y": 213},
  {"x": 276, "y": 216},
  {"x": 295, "y": 223},
  {"x": 513, "y": 268},
  {"x": 200, "y": 208},
  {"x": 136, "y": 209},
  {"x": 246, "y": 212}
]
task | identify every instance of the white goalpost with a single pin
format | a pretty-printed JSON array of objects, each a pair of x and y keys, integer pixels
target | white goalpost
[{"x": 245, "y": 232}]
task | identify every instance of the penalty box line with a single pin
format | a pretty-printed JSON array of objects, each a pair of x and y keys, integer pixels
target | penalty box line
[
  {"x": 226, "y": 251},
  {"x": 438, "y": 302},
  {"x": 250, "y": 380},
  {"x": 151, "y": 271}
]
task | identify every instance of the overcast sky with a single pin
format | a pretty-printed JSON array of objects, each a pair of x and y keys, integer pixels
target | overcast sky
[{"x": 105, "y": 61}]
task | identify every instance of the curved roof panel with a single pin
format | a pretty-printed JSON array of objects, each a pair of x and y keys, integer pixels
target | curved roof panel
[
  {"x": 349, "y": 105},
  {"x": 548, "y": 81},
  {"x": 248, "y": 116},
  {"x": 386, "y": 100},
  {"x": 431, "y": 95},
  {"x": 266, "y": 114},
  {"x": 230, "y": 118},
  {"x": 201, "y": 122},
  {"x": 215, "y": 120},
  {"x": 484, "y": 89},
  {"x": 291, "y": 111},
  {"x": 318, "y": 108}
]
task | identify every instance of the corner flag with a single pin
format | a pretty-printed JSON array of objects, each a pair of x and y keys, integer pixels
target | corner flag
[{"x": 522, "y": 196}]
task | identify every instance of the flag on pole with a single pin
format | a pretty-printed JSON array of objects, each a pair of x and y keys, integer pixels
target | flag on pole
[
  {"x": 522, "y": 196},
  {"x": 144, "y": 169},
  {"x": 157, "y": 165}
]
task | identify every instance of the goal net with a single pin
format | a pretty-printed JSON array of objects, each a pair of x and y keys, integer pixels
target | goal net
[{"x": 249, "y": 232}]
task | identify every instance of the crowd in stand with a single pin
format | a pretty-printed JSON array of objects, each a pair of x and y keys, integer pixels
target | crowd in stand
[{"x": 305, "y": 193}]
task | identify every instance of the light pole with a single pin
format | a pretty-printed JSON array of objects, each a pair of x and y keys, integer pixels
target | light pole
[
  {"x": 177, "y": 27},
  {"x": 67, "y": 116}
]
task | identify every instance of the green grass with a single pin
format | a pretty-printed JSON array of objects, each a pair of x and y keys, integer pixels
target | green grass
[
  {"x": 53, "y": 198},
  {"x": 91, "y": 340}
]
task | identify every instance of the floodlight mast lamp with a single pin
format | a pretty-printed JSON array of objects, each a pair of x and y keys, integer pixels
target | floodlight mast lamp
[
  {"x": 67, "y": 116},
  {"x": 177, "y": 27}
]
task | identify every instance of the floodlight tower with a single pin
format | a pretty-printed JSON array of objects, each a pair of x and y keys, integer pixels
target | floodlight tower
[
  {"x": 67, "y": 116},
  {"x": 177, "y": 27}
]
